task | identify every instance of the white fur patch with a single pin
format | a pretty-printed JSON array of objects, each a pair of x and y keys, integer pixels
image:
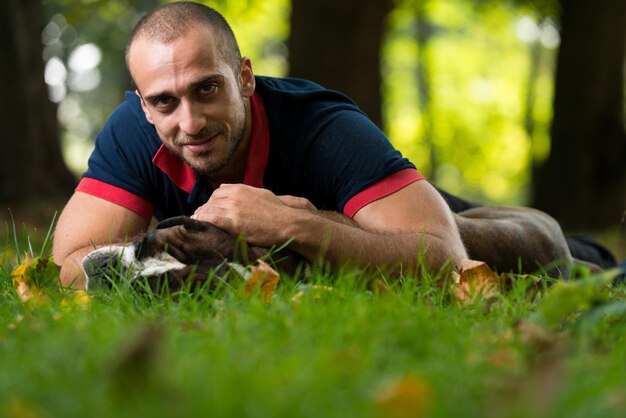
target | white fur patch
[
  {"x": 150, "y": 267},
  {"x": 158, "y": 265}
]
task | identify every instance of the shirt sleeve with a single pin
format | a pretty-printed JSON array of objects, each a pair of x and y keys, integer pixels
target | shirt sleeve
[
  {"x": 380, "y": 189},
  {"x": 119, "y": 169},
  {"x": 354, "y": 162}
]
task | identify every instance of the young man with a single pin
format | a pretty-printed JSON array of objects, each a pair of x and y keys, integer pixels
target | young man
[
  {"x": 203, "y": 136},
  {"x": 272, "y": 159}
]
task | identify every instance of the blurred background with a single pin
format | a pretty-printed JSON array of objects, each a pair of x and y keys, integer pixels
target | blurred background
[{"x": 498, "y": 101}]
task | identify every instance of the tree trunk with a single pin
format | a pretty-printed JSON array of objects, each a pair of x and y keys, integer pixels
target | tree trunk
[
  {"x": 336, "y": 43},
  {"x": 583, "y": 182},
  {"x": 31, "y": 165}
]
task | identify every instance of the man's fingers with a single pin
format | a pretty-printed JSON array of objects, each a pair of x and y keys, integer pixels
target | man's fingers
[{"x": 296, "y": 202}]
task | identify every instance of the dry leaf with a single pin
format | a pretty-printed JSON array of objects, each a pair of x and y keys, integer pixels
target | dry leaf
[
  {"x": 37, "y": 281},
  {"x": 21, "y": 283},
  {"x": 476, "y": 278},
  {"x": 403, "y": 397},
  {"x": 263, "y": 278}
]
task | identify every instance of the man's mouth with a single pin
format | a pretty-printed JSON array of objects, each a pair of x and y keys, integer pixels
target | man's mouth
[{"x": 200, "y": 146}]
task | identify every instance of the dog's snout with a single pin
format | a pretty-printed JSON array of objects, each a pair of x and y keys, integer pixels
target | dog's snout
[{"x": 99, "y": 264}]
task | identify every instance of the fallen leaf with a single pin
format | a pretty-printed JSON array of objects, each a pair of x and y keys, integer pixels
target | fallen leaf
[
  {"x": 264, "y": 279},
  {"x": 36, "y": 281},
  {"x": 476, "y": 278},
  {"x": 405, "y": 396},
  {"x": 22, "y": 283}
]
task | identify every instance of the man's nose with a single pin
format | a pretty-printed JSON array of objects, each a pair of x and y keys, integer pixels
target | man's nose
[{"x": 191, "y": 118}]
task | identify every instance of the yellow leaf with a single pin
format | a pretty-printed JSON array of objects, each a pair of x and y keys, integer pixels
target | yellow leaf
[
  {"x": 476, "y": 278},
  {"x": 263, "y": 278},
  {"x": 36, "y": 280},
  {"x": 406, "y": 396},
  {"x": 21, "y": 282}
]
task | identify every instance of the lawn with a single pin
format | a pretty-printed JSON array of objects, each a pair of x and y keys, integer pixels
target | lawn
[{"x": 334, "y": 347}]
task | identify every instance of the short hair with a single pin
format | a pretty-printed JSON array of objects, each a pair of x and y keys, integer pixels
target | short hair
[{"x": 172, "y": 21}]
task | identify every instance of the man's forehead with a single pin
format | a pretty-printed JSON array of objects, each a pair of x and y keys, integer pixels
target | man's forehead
[
  {"x": 188, "y": 59},
  {"x": 145, "y": 46},
  {"x": 147, "y": 38}
]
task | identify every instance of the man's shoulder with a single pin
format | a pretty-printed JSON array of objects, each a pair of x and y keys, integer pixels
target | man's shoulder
[
  {"x": 301, "y": 102},
  {"x": 129, "y": 110},
  {"x": 128, "y": 123},
  {"x": 286, "y": 85},
  {"x": 298, "y": 90}
]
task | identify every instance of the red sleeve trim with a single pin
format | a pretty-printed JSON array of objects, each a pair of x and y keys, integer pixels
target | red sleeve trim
[
  {"x": 380, "y": 189},
  {"x": 116, "y": 195}
]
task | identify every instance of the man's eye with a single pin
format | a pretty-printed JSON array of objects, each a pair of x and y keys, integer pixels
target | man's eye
[
  {"x": 162, "y": 102},
  {"x": 207, "y": 88}
]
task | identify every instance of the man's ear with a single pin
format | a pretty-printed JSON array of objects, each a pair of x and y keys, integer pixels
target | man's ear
[
  {"x": 246, "y": 78},
  {"x": 144, "y": 107}
]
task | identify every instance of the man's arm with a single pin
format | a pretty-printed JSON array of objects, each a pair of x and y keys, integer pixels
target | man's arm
[
  {"x": 393, "y": 232},
  {"x": 86, "y": 223}
]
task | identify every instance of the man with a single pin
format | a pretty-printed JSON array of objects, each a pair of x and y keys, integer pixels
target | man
[{"x": 272, "y": 159}]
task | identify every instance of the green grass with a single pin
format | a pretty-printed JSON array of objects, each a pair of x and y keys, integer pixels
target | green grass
[{"x": 325, "y": 353}]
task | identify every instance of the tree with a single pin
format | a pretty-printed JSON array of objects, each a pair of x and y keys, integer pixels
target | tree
[
  {"x": 337, "y": 44},
  {"x": 31, "y": 165},
  {"x": 583, "y": 182}
]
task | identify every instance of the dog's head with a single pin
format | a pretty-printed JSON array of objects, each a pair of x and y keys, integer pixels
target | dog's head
[{"x": 178, "y": 249}]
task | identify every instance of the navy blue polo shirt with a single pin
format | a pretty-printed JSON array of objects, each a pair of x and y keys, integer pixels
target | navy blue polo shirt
[{"x": 306, "y": 141}]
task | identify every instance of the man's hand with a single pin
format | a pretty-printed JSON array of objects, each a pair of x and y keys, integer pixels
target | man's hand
[
  {"x": 258, "y": 214},
  {"x": 297, "y": 202}
]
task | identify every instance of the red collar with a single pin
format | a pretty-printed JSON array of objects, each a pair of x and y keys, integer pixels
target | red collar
[{"x": 258, "y": 153}]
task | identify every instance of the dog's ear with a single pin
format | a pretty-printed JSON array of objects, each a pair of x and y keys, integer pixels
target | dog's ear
[
  {"x": 99, "y": 265},
  {"x": 188, "y": 223},
  {"x": 170, "y": 222}
]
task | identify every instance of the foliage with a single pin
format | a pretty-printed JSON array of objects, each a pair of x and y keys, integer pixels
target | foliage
[
  {"x": 459, "y": 88},
  {"x": 328, "y": 348}
]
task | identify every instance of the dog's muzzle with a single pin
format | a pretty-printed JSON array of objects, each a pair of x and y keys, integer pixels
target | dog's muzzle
[{"x": 107, "y": 265}]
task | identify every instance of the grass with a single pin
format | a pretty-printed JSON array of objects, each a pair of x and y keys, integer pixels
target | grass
[{"x": 336, "y": 350}]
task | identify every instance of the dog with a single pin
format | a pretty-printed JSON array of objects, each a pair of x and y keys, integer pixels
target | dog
[
  {"x": 516, "y": 239},
  {"x": 181, "y": 249}
]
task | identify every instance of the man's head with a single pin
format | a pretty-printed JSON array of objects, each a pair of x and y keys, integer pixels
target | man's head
[
  {"x": 174, "y": 20},
  {"x": 193, "y": 84}
]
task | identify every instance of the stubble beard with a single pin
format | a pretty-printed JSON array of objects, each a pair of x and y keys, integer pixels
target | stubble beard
[{"x": 209, "y": 163}]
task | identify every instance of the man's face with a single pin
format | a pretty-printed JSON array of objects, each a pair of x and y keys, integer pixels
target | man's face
[{"x": 195, "y": 100}]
